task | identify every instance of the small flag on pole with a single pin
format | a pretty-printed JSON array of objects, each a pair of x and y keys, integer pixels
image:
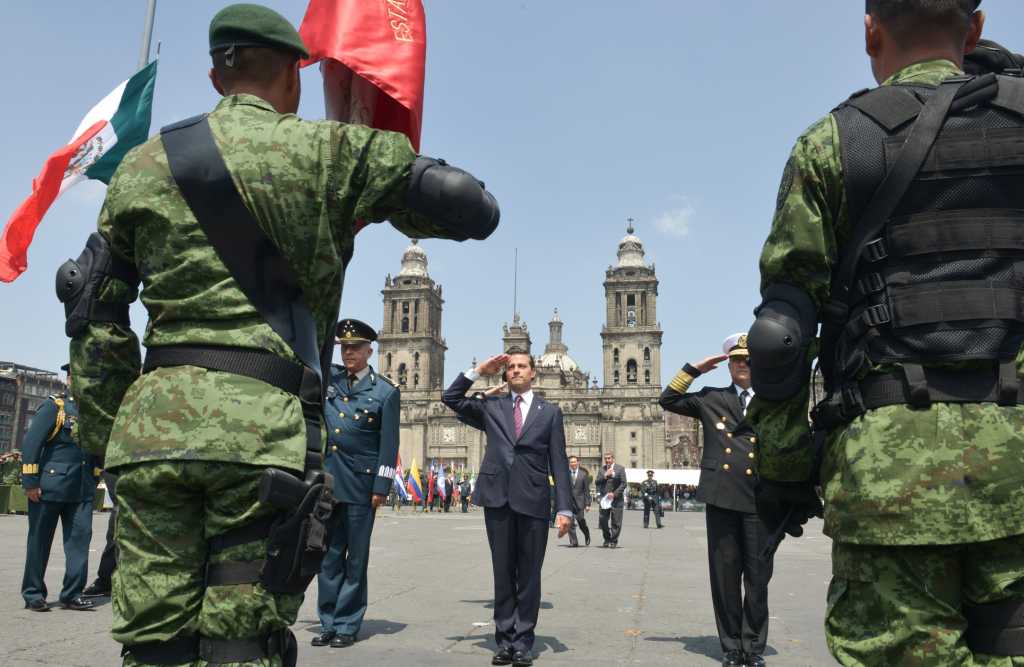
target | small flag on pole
[{"x": 111, "y": 128}]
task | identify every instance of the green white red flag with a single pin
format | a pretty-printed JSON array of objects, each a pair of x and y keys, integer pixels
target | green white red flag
[{"x": 111, "y": 128}]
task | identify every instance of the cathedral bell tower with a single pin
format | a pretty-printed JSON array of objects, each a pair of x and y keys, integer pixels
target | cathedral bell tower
[
  {"x": 410, "y": 347},
  {"x": 631, "y": 335}
]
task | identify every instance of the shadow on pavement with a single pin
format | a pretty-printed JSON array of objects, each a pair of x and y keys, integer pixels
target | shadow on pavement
[
  {"x": 370, "y": 627},
  {"x": 706, "y": 645},
  {"x": 489, "y": 604},
  {"x": 541, "y": 644}
]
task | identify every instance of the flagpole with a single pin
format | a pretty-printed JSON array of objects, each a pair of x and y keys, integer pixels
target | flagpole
[{"x": 147, "y": 34}]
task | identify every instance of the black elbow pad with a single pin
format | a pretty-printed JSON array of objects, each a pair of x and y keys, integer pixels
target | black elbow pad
[
  {"x": 79, "y": 282},
  {"x": 786, "y": 324},
  {"x": 452, "y": 198}
]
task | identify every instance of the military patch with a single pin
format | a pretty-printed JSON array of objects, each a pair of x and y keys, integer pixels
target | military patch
[
  {"x": 332, "y": 391},
  {"x": 786, "y": 185}
]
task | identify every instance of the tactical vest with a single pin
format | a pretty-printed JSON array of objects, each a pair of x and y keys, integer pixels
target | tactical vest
[{"x": 944, "y": 280}]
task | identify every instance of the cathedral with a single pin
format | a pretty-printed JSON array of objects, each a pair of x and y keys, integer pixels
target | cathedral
[{"x": 617, "y": 412}]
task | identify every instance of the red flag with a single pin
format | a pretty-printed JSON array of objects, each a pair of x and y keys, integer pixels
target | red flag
[
  {"x": 384, "y": 44},
  {"x": 21, "y": 227}
]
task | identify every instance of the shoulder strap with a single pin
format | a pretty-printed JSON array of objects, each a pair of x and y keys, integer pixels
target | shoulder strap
[
  {"x": 922, "y": 136},
  {"x": 256, "y": 264},
  {"x": 58, "y": 423}
]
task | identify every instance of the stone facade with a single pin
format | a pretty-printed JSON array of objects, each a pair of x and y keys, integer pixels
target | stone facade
[
  {"x": 22, "y": 390},
  {"x": 622, "y": 416}
]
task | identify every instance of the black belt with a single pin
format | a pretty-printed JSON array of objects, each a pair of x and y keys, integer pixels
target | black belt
[
  {"x": 288, "y": 376},
  {"x": 214, "y": 651},
  {"x": 940, "y": 385}
]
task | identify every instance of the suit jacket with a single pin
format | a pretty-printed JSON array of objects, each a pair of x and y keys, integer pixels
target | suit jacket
[
  {"x": 615, "y": 484},
  {"x": 362, "y": 435},
  {"x": 580, "y": 490},
  {"x": 515, "y": 471},
  {"x": 727, "y": 475}
]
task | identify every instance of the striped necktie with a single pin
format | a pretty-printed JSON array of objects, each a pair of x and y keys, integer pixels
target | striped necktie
[{"x": 517, "y": 416}]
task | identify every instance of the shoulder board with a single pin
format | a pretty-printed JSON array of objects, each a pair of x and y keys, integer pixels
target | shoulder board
[{"x": 387, "y": 380}]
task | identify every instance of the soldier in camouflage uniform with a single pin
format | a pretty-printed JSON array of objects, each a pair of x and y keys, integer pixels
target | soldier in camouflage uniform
[
  {"x": 923, "y": 487},
  {"x": 189, "y": 443}
]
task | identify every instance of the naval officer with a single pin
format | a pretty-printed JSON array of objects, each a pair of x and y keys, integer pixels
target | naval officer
[
  {"x": 736, "y": 535},
  {"x": 362, "y": 448}
]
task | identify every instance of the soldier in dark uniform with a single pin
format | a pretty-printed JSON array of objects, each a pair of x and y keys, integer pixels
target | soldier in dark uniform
[
  {"x": 465, "y": 490},
  {"x": 59, "y": 479},
  {"x": 736, "y": 536},
  {"x": 652, "y": 499},
  {"x": 362, "y": 449}
]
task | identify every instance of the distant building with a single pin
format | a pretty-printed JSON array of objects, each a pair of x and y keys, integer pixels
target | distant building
[
  {"x": 22, "y": 390},
  {"x": 623, "y": 416}
]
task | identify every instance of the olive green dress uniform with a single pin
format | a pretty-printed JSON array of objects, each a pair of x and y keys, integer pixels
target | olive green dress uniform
[
  {"x": 925, "y": 507},
  {"x": 362, "y": 449},
  {"x": 190, "y": 444},
  {"x": 67, "y": 476}
]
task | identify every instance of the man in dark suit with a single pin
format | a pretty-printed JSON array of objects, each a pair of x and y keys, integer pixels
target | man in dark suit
[
  {"x": 525, "y": 445},
  {"x": 736, "y": 536},
  {"x": 579, "y": 482},
  {"x": 611, "y": 484}
]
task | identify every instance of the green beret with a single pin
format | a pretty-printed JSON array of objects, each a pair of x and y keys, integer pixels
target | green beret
[{"x": 253, "y": 25}]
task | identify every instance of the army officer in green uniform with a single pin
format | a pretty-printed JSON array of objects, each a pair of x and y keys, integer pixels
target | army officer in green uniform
[
  {"x": 226, "y": 391},
  {"x": 362, "y": 448},
  {"x": 59, "y": 479},
  {"x": 889, "y": 230}
]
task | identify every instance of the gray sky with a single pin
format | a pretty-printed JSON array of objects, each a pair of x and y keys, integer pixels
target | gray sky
[{"x": 680, "y": 114}]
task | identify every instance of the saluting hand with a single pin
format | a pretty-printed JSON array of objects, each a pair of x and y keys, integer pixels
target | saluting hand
[
  {"x": 493, "y": 365},
  {"x": 711, "y": 363}
]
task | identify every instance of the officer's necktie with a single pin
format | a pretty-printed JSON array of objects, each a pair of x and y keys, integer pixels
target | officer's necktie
[
  {"x": 517, "y": 416},
  {"x": 744, "y": 397},
  {"x": 352, "y": 379}
]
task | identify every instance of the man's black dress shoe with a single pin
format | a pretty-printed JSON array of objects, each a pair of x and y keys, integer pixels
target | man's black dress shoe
[
  {"x": 522, "y": 659},
  {"x": 323, "y": 639},
  {"x": 77, "y": 604},
  {"x": 613, "y": 545},
  {"x": 503, "y": 656},
  {"x": 37, "y": 605},
  {"x": 605, "y": 545},
  {"x": 97, "y": 589},
  {"x": 343, "y": 641},
  {"x": 733, "y": 659},
  {"x": 755, "y": 660}
]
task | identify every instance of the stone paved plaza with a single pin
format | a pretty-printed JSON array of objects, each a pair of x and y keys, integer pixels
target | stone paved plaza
[{"x": 646, "y": 603}]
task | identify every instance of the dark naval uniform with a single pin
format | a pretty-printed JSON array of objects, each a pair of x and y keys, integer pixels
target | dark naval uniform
[
  {"x": 66, "y": 475},
  {"x": 736, "y": 536},
  {"x": 652, "y": 500},
  {"x": 362, "y": 448}
]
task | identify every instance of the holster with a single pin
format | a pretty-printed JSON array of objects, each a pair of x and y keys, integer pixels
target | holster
[
  {"x": 996, "y": 628},
  {"x": 299, "y": 540}
]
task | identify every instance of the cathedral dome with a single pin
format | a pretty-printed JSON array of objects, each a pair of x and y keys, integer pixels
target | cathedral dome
[
  {"x": 631, "y": 249},
  {"x": 559, "y": 360},
  {"x": 414, "y": 261}
]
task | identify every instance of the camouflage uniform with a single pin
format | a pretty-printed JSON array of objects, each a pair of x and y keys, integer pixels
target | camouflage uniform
[
  {"x": 925, "y": 508},
  {"x": 189, "y": 444}
]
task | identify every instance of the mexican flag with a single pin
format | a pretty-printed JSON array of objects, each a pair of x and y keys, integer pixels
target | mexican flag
[{"x": 111, "y": 128}]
